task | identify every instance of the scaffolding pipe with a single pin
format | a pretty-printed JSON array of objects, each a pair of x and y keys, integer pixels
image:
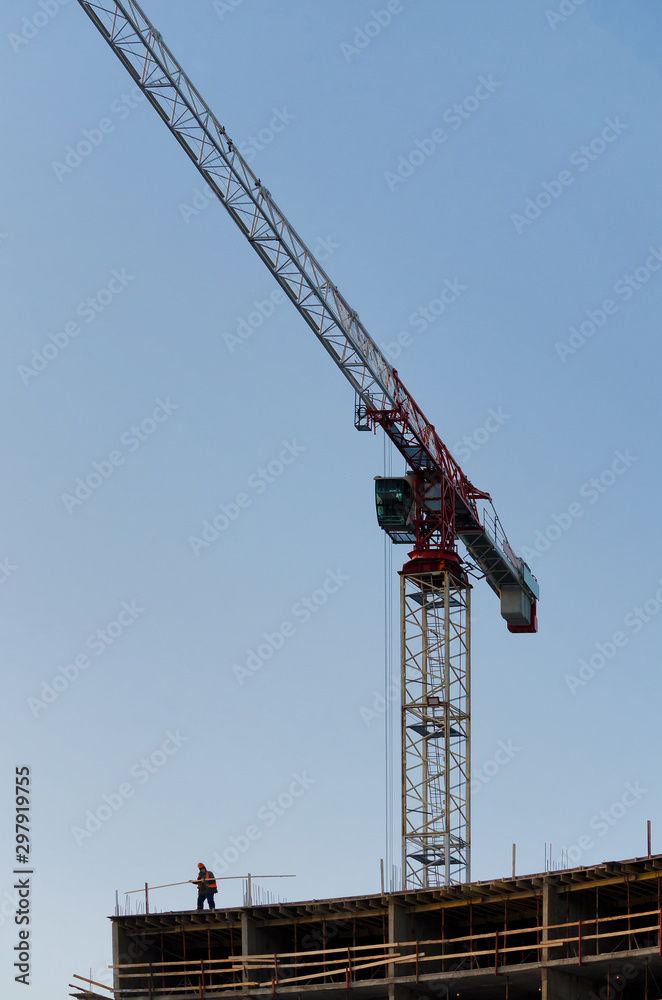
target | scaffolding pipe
[{"x": 191, "y": 881}]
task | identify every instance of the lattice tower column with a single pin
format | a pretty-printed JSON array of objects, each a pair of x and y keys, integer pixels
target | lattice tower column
[{"x": 436, "y": 761}]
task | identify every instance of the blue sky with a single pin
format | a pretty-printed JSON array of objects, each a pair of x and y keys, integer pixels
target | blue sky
[{"x": 537, "y": 203}]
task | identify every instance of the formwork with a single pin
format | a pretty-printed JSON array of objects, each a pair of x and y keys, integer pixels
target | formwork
[{"x": 592, "y": 932}]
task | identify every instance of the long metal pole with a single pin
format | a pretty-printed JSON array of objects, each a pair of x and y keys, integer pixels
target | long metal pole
[
  {"x": 467, "y": 724},
  {"x": 426, "y": 818},
  {"x": 188, "y": 881},
  {"x": 403, "y": 730},
  {"x": 447, "y": 727}
]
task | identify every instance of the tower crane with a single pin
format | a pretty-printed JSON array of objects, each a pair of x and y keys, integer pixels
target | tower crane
[{"x": 429, "y": 508}]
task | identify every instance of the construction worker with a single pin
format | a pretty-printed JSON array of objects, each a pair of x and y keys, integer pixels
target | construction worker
[{"x": 206, "y": 884}]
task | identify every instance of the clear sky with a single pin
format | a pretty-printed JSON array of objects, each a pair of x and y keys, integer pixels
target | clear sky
[{"x": 509, "y": 151}]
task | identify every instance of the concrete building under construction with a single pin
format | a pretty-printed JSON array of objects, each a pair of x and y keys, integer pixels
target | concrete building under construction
[{"x": 588, "y": 933}]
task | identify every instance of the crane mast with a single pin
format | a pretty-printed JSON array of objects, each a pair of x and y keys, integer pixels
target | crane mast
[{"x": 430, "y": 508}]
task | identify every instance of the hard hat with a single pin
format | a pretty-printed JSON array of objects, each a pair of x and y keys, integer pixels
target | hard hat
[{"x": 200, "y": 864}]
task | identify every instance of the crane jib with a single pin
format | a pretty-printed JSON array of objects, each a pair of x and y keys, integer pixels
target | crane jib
[{"x": 141, "y": 50}]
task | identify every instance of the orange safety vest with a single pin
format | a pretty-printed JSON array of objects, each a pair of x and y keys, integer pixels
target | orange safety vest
[{"x": 207, "y": 877}]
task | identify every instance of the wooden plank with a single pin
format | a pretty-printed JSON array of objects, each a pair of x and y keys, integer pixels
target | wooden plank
[
  {"x": 191, "y": 989},
  {"x": 84, "y": 979},
  {"x": 395, "y": 961},
  {"x": 269, "y": 957},
  {"x": 335, "y": 972}
]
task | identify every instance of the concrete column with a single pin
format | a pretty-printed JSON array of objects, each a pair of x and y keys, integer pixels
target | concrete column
[
  {"x": 398, "y": 992},
  {"x": 554, "y": 906},
  {"x": 119, "y": 948},
  {"x": 558, "y": 907},
  {"x": 559, "y": 985},
  {"x": 254, "y": 941},
  {"x": 399, "y": 923},
  {"x": 399, "y": 930}
]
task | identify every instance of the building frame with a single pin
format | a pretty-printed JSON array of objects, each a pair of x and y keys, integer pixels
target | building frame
[{"x": 580, "y": 934}]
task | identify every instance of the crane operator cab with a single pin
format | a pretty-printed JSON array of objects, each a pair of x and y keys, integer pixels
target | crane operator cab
[{"x": 395, "y": 508}]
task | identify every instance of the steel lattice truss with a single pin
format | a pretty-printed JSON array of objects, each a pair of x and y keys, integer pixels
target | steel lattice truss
[
  {"x": 435, "y": 674},
  {"x": 385, "y": 399}
]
